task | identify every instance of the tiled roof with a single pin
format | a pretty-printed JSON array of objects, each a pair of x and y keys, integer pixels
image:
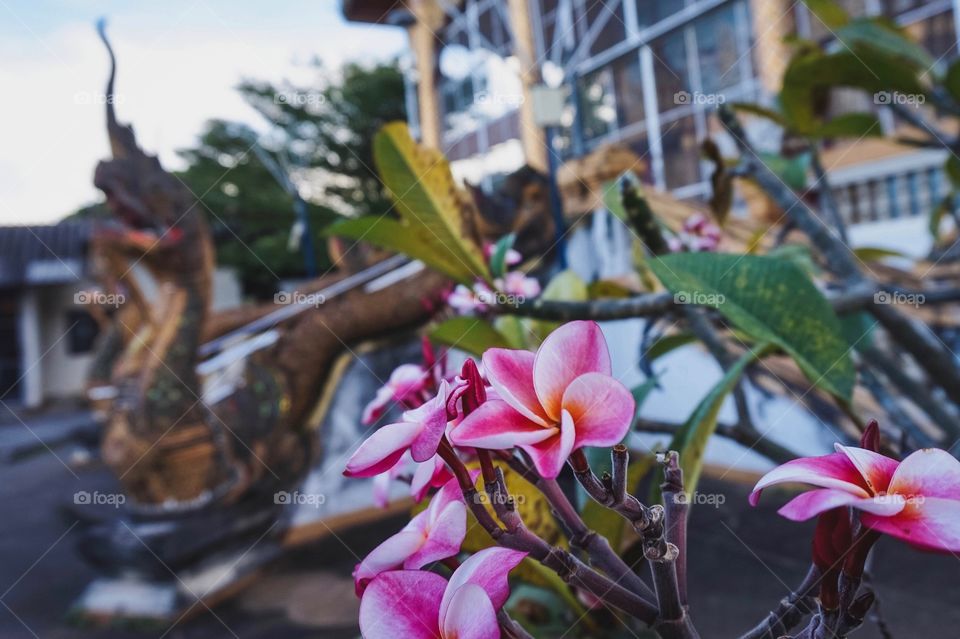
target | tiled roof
[{"x": 50, "y": 254}]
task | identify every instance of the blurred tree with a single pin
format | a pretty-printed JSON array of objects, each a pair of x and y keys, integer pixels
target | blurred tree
[
  {"x": 322, "y": 135},
  {"x": 332, "y": 129}
]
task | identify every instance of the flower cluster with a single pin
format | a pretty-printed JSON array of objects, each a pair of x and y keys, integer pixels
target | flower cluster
[
  {"x": 549, "y": 404},
  {"x": 697, "y": 235},
  {"x": 513, "y": 288},
  {"x": 916, "y": 500}
]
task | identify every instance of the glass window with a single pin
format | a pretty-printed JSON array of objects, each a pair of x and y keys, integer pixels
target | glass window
[
  {"x": 719, "y": 54},
  {"x": 613, "y": 32},
  {"x": 670, "y": 69},
  {"x": 597, "y": 105},
  {"x": 681, "y": 152},
  {"x": 628, "y": 89},
  {"x": 653, "y": 11}
]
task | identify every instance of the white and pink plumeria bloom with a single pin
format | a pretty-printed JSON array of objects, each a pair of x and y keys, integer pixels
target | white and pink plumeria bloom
[
  {"x": 406, "y": 384},
  {"x": 551, "y": 403},
  {"x": 432, "y": 473},
  {"x": 419, "y": 432},
  {"x": 916, "y": 500},
  {"x": 432, "y": 535},
  {"x": 416, "y": 604}
]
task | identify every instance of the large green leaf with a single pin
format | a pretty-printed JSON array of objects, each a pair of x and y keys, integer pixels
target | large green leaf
[
  {"x": 810, "y": 78},
  {"x": 432, "y": 224},
  {"x": 771, "y": 299},
  {"x": 886, "y": 37},
  {"x": 792, "y": 170},
  {"x": 691, "y": 440},
  {"x": 565, "y": 286},
  {"x": 469, "y": 334},
  {"x": 417, "y": 242}
]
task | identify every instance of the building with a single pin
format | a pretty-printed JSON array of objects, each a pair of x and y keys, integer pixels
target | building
[
  {"x": 646, "y": 73},
  {"x": 47, "y": 333}
]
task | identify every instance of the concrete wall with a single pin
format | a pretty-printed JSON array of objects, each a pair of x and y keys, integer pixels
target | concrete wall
[{"x": 63, "y": 373}]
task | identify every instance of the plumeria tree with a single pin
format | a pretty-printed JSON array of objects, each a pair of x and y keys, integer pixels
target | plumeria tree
[{"x": 488, "y": 445}]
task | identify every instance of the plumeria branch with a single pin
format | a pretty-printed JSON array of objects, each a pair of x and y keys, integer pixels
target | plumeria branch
[{"x": 513, "y": 534}]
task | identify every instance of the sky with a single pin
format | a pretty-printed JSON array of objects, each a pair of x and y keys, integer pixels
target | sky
[{"x": 178, "y": 64}]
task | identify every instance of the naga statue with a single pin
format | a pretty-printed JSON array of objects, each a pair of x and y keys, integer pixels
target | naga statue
[{"x": 210, "y": 416}]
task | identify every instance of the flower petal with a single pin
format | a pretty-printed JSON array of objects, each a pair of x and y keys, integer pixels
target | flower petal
[
  {"x": 402, "y": 603},
  {"x": 444, "y": 537},
  {"x": 931, "y": 523},
  {"x": 550, "y": 455},
  {"x": 470, "y": 615},
  {"x": 829, "y": 471},
  {"x": 875, "y": 468},
  {"x": 432, "y": 418},
  {"x": 814, "y": 502},
  {"x": 496, "y": 425},
  {"x": 392, "y": 553},
  {"x": 488, "y": 569},
  {"x": 929, "y": 472},
  {"x": 601, "y": 407},
  {"x": 568, "y": 352},
  {"x": 511, "y": 374},
  {"x": 382, "y": 449}
]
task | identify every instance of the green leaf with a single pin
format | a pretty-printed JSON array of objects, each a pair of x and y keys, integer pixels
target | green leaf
[
  {"x": 874, "y": 253},
  {"x": 952, "y": 169},
  {"x": 426, "y": 197},
  {"x": 851, "y": 125},
  {"x": 513, "y": 329},
  {"x": 885, "y": 37},
  {"x": 415, "y": 242},
  {"x": 811, "y": 77},
  {"x": 613, "y": 200},
  {"x": 607, "y": 289},
  {"x": 565, "y": 286},
  {"x": 641, "y": 392},
  {"x": 771, "y": 299},
  {"x": 858, "y": 329},
  {"x": 469, "y": 334},
  {"x": 799, "y": 254},
  {"x": 951, "y": 81},
  {"x": 668, "y": 343},
  {"x": 691, "y": 440},
  {"x": 793, "y": 170},
  {"x": 498, "y": 258},
  {"x": 828, "y": 12}
]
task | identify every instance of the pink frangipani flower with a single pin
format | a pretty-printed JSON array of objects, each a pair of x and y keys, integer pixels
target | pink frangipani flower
[
  {"x": 406, "y": 383},
  {"x": 553, "y": 402},
  {"x": 419, "y": 432},
  {"x": 432, "y": 473},
  {"x": 916, "y": 500},
  {"x": 434, "y": 534},
  {"x": 416, "y": 604}
]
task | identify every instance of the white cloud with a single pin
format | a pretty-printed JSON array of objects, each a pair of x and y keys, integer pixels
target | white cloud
[{"x": 175, "y": 71}]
